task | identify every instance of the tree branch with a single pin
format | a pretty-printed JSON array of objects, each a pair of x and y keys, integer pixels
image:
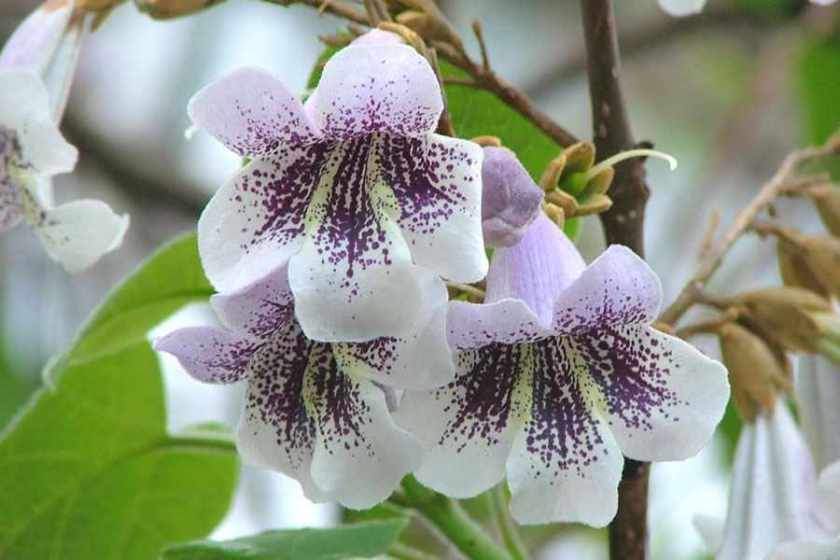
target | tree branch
[
  {"x": 624, "y": 224},
  {"x": 782, "y": 182}
]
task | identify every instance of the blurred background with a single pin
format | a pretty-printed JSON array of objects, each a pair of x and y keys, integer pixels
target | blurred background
[{"x": 728, "y": 92}]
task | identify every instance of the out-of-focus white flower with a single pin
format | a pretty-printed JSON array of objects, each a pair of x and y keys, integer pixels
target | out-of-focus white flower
[
  {"x": 36, "y": 69},
  {"x": 777, "y": 504}
]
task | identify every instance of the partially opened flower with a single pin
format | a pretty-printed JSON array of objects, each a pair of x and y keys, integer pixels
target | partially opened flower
[
  {"x": 354, "y": 191},
  {"x": 818, "y": 394},
  {"x": 314, "y": 410},
  {"x": 36, "y": 68},
  {"x": 778, "y": 507},
  {"x": 558, "y": 374},
  {"x": 510, "y": 198}
]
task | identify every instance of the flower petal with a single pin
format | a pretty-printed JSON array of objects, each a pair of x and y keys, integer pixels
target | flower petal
[
  {"x": 36, "y": 39},
  {"x": 663, "y": 397},
  {"x": 682, "y": 7},
  {"x": 360, "y": 454},
  {"x": 23, "y": 97},
  {"x": 828, "y": 488},
  {"x": 11, "y": 204},
  {"x": 276, "y": 430},
  {"x": 535, "y": 270},
  {"x": 209, "y": 354},
  {"x": 419, "y": 360},
  {"x": 436, "y": 183},
  {"x": 468, "y": 426},
  {"x": 354, "y": 265},
  {"x": 45, "y": 149},
  {"x": 773, "y": 489},
  {"x": 252, "y": 113},
  {"x": 565, "y": 464},
  {"x": 510, "y": 199},
  {"x": 617, "y": 288},
  {"x": 368, "y": 88},
  {"x": 79, "y": 233},
  {"x": 509, "y": 321},
  {"x": 255, "y": 222},
  {"x": 817, "y": 391},
  {"x": 260, "y": 309},
  {"x": 805, "y": 550}
]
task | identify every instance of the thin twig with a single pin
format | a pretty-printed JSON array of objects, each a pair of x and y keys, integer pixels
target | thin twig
[
  {"x": 479, "y": 35},
  {"x": 778, "y": 184},
  {"x": 709, "y": 236}
]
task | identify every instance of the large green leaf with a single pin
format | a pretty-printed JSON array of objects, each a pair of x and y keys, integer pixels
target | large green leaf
[
  {"x": 87, "y": 470},
  {"x": 360, "y": 540}
]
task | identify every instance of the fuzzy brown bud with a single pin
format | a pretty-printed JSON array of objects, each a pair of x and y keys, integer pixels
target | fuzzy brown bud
[
  {"x": 827, "y": 201},
  {"x": 786, "y": 314},
  {"x": 757, "y": 370},
  {"x": 167, "y": 9}
]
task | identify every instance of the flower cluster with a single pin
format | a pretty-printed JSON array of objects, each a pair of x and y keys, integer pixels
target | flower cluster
[
  {"x": 36, "y": 69},
  {"x": 330, "y": 249}
]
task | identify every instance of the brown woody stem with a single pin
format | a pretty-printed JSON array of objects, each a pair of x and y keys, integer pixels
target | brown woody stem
[{"x": 624, "y": 224}]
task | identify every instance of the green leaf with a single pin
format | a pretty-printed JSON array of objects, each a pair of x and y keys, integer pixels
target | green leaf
[
  {"x": 360, "y": 540},
  {"x": 819, "y": 87},
  {"x": 87, "y": 469},
  {"x": 170, "y": 279}
]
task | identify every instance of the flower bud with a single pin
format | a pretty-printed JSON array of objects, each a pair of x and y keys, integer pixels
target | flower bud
[
  {"x": 795, "y": 271},
  {"x": 510, "y": 198},
  {"x": 827, "y": 201},
  {"x": 423, "y": 24},
  {"x": 787, "y": 314},
  {"x": 758, "y": 370},
  {"x": 815, "y": 256}
]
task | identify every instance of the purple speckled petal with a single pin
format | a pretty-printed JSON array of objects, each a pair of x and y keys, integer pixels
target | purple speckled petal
[
  {"x": 510, "y": 199},
  {"x": 468, "y": 426},
  {"x": 536, "y": 270},
  {"x": 377, "y": 88},
  {"x": 252, "y": 113},
  {"x": 209, "y": 354},
  {"x": 354, "y": 265},
  {"x": 77, "y": 234},
  {"x": 419, "y": 360},
  {"x": 256, "y": 221},
  {"x": 11, "y": 203},
  {"x": 663, "y": 398},
  {"x": 565, "y": 464},
  {"x": 618, "y": 288},
  {"x": 360, "y": 455},
  {"x": 436, "y": 182},
  {"x": 276, "y": 430},
  {"x": 259, "y": 309},
  {"x": 509, "y": 321}
]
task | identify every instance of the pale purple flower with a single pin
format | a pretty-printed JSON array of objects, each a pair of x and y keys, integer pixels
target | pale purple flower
[
  {"x": 36, "y": 68},
  {"x": 317, "y": 411},
  {"x": 777, "y": 503},
  {"x": 354, "y": 191},
  {"x": 818, "y": 395},
  {"x": 510, "y": 199},
  {"x": 558, "y": 374}
]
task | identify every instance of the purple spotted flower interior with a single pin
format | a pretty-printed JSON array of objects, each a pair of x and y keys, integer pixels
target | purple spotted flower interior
[
  {"x": 316, "y": 410},
  {"x": 354, "y": 191},
  {"x": 558, "y": 375}
]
